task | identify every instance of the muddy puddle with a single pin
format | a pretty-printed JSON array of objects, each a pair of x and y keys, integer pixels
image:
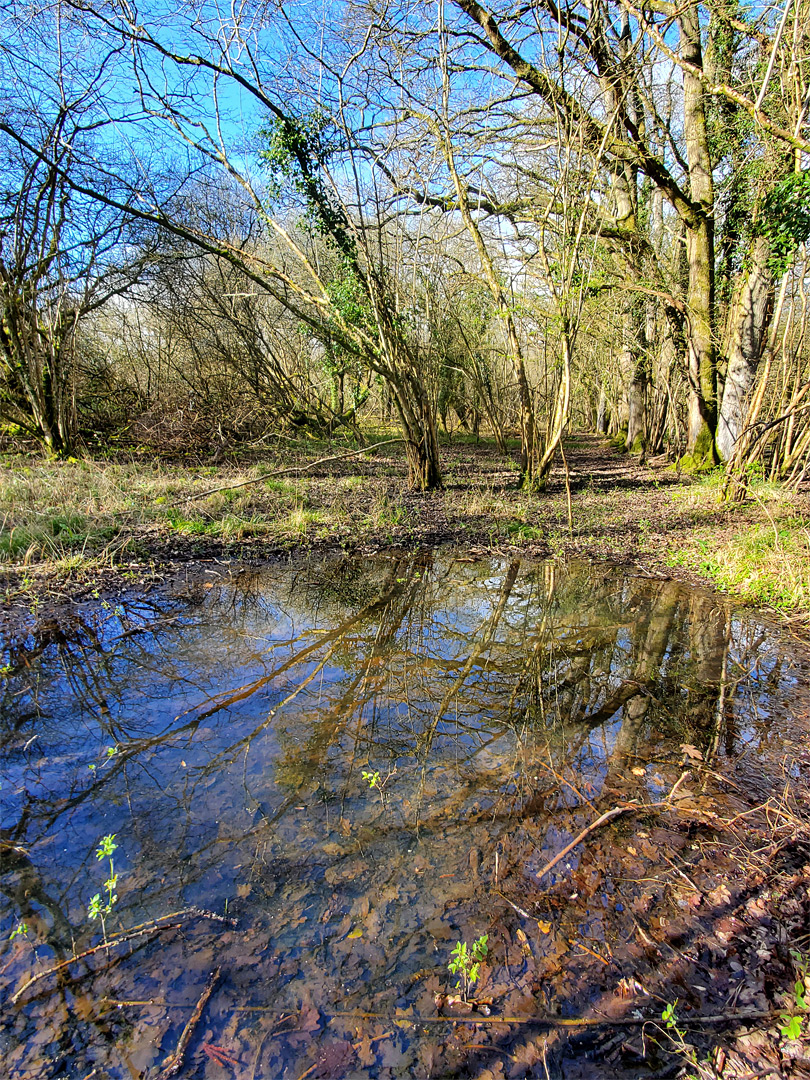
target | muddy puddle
[{"x": 320, "y": 779}]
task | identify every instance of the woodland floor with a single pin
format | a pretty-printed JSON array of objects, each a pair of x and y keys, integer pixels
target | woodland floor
[
  {"x": 733, "y": 942},
  {"x": 70, "y": 529}
]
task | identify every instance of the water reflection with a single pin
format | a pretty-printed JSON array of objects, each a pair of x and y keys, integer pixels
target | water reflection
[{"x": 222, "y": 734}]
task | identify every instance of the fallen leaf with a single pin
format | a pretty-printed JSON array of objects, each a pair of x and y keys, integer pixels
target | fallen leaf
[
  {"x": 365, "y": 1054},
  {"x": 691, "y": 752},
  {"x": 719, "y": 896},
  {"x": 333, "y": 1059},
  {"x": 308, "y": 1021},
  {"x": 524, "y": 943}
]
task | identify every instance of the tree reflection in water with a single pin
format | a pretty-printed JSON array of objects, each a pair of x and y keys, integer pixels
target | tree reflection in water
[{"x": 507, "y": 702}]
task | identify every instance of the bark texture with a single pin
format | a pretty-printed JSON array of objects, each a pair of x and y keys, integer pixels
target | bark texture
[{"x": 750, "y": 317}]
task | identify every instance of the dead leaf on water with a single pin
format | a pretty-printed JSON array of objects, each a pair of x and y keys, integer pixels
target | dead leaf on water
[
  {"x": 366, "y": 1056},
  {"x": 719, "y": 897},
  {"x": 403, "y": 1023}
]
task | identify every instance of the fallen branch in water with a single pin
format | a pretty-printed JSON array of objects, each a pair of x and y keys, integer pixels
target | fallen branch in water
[
  {"x": 174, "y": 1062},
  {"x": 154, "y": 926},
  {"x": 294, "y": 468},
  {"x": 743, "y": 1016},
  {"x": 603, "y": 820}
]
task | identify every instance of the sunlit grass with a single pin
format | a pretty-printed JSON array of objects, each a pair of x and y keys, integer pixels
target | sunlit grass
[
  {"x": 72, "y": 517},
  {"x": 762, "y": 564}
]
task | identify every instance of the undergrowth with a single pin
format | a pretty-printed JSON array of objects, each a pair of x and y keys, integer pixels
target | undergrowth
[{"x": 762, "y": 555}]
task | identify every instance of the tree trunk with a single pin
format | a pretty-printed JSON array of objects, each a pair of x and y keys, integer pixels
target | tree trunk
[
  {"x": 560, "y": 418},
  {"x": 636, "y": 401},
  {"x": 418, "y": 422},
  {"x": 750, "y": 315},
  {"x": 602, "y": 412},
  {"x": 36, "y": 361},
  {"x": 528, "y": 426},
  {"x": 699, "y": 251}
]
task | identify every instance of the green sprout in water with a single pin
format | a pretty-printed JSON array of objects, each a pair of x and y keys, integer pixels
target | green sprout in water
[
  {"x": 670, "y": 1016},
  {"x": 109, "y": 753},
  {"x": 98, "y": 908},
  {"x": 375, "y": 780},
  {"x": 466, "y": 962},
  {"x": 21, "y": 930}
]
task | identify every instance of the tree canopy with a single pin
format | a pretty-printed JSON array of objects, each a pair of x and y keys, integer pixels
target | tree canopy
[{"x": 518, "y": 217}]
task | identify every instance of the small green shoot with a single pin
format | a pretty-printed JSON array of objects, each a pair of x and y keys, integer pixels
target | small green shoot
[
  {"x": 791, "y": 1026},
  {"x": 376, "y": 781},
  {"x": 98, "y": 908},
  {"x": 791, "y": 1023},
  {"x": 677, "y": 1035},
  {"x": 466, "y": 962},
  {"x": 670, "y": 1016},
  {"x": 109, "y": 754},
  {"x": 21, "y": 931}
]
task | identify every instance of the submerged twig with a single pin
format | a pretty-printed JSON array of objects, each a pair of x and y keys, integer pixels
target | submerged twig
[
  {"x": 519, "y": 910},
  {"x": 603, "y": 820},
  {"x": 608, "y": 816},
  {"x": 154, "y": 926},
  {"x": 174, "y": 1062},
  {"x": 729, "y": 1017}
]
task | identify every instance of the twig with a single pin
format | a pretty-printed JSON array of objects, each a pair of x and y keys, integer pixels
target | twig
[
  {"x": 519, "y": 910},
  {"x": 678, "y": 870},
  {"x": 174, "y": 1062},
  {"x": 154, "y": 926},
  {"x": 730, "y": 1017},
  {"x": 684, "y": 776},
  {"x": 580, "y": 945},
  {"x": 603, "y": 820},
  {"x": 294, "y": 468},
  {"x": 567, "y": 492},
  {"x": 267, "y": 1035}
]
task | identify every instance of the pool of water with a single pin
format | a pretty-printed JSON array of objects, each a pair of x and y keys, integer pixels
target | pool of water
[{"x": 336, "y": 772}]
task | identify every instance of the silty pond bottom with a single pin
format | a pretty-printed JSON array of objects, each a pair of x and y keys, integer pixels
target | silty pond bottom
[{"x": 336, "y": 772}]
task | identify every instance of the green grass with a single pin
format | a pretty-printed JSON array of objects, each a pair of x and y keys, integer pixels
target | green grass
[
  {"x": 763, "y": 564},
  {"x": 759, "y": 552},
  {"x": 69, "y": 517}
]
